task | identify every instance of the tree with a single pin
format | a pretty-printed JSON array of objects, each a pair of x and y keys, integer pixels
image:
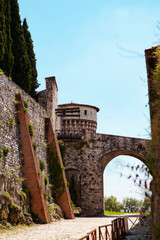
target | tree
[
  {"x": 32, "y": 58},
  {"x": 7, "y": 64},
  {"x": 21, "y": 73},
  {"x": 153, "y": 72},
  {"x": 146, "y": 206},
  {"x": 111, "y": 204},
  {"x": 131, "y": 205},
  {"x": 2, "y": 31}
]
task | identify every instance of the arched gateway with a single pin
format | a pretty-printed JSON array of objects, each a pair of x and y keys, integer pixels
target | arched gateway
[{"x": 85, "y": 160}]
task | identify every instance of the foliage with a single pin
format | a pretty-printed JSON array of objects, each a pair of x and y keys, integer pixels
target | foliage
[
  {"x": 13, "y": 205},
  {"x": 32, "y": 58},
  {"x": 8, "y": 58},
  {"x": 46, "y": 181},
  {"x": 62, "y": 147},
  {"x": 42, "y": 165},
  {"x": 11, "y": 121},
  {"x": 127, "y": 205},
  {"x": 55, "y": 171},
  {"x": 21, "y": 73},
  {"x": 31, "y": 130},
  {"x": 2, "y": 30},
  {"x": 6, "y": 150},
  {"x": 110, "y": 213},
  {"x": 26, "y": 105},
  {"x": 22, "y": 194},
  {"x": 146, "y": 206},
  {"x": 34, "y": 146},
  {"x": 17, "y": 58},
  {"x": 76, "y": 210},
  {"x": 132, "y": 205},
  {"x": 154, "y": 146},
  {"x": 111, "y": 204},
  {"x": 6, "y": 194}
]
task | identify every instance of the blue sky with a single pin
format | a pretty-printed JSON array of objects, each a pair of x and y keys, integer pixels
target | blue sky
[{"x": 96, "y": 51}]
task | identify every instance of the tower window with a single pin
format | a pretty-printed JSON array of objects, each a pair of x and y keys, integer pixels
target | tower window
[{"x": 85, "y": 112}]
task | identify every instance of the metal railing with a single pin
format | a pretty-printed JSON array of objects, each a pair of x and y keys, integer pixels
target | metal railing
[{"x": 68, "y": 134}]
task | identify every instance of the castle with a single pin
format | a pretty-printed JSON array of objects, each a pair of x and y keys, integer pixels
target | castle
[
  {"x": 71, "y": 118},
  {"x": 28, "y": 139}
]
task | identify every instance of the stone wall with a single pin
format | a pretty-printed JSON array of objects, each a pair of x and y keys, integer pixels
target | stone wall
[
  {"x": 12, "y": 165},
  {"x": 12, "y": 156},
  {"x": 85, "y": 161}
]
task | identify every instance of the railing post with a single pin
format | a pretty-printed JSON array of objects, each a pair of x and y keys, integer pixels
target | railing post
[{"x": 126, "y": 224}]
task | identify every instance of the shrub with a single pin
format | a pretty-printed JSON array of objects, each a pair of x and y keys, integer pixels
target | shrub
[
  {"x": 26, "y": 104},
  {"x": 34, "y": 146},
  {"x": 11, "y": 121},
  {"x": 6, "y": 150},
  {"x": 31, "y": 130},
  {"x": 42, "y": 164},
  {"x": 45, "y": 195},
  {"x": 46, "y": 181}
]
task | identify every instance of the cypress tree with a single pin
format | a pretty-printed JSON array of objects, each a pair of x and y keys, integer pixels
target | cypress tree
[
  {"x": 31, "y": 55},
  {"x": 21, "y": 73},
  {"x": 2, "y": 31},
  {"x": 7, "y": 64}
]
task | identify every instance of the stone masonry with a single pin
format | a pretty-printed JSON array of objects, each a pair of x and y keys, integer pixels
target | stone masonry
[
  {"x": 85, "y": 161},
  {"x": 22, "y": 155}
]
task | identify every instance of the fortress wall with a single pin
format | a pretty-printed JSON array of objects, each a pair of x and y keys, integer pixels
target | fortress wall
[{"x": 11, "y": 166}]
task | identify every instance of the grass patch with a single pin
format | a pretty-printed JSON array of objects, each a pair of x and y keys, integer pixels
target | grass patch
[{"x": 110, "y": 213}]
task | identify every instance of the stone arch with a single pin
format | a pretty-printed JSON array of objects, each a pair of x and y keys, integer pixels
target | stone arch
[{"x": 108, "y": 156}]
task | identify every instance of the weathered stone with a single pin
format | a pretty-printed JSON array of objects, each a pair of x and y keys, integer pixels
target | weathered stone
[
  {"x": 56, "y": 212},
  {"x": 84, "y": 167},
  {"x": 25, "y": 218},
  {"x": 15, "y": 213}
]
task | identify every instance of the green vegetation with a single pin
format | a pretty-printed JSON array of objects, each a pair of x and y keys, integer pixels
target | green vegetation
[
  {"x": 6, "y": 150},
  {"x": 31, "y": 130},
  {"x": 110, "y": 213},
  {"x": 17, "y": 58},
  {"x": 128, "y": 205},
  {"x": 32, "y": 59},
  {"x": 55, "y": 171},
  {"x": 13, "y": 205},
  {"x": 34, "y": 146},
  {"x": 62, "y": 147},
  {"x": 46, "y": 181},
  {"x": 11, "y": 121},
  {"x": 42, "y": 165},
  {"x": 6, "y": 194}
]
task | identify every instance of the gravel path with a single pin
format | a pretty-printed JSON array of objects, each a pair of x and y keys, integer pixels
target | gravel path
[{"x": 64, "y": 229}]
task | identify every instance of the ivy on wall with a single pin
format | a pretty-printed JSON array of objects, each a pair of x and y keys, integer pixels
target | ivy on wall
[{"x": 55, "y": 171}]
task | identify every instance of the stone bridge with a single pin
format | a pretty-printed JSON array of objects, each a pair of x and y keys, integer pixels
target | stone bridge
[{"x": 85, "y": 161}]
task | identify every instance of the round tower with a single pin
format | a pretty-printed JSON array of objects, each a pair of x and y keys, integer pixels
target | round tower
[{"x": 74, "y": 117}]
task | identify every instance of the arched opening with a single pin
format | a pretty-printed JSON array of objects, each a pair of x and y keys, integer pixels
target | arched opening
[{"x": 124, "y": 177}]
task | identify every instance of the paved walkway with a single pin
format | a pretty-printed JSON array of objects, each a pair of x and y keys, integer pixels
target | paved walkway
[{"x": 64, "y": 229}]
